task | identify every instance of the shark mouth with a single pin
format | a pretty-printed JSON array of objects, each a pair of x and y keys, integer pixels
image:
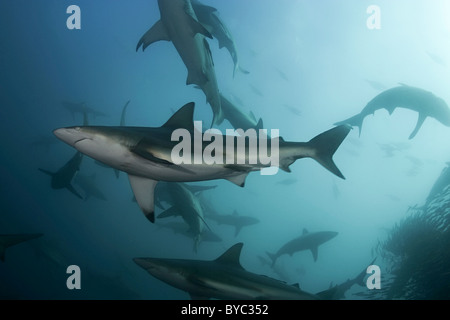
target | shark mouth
[{"x": 79, "y": 140}]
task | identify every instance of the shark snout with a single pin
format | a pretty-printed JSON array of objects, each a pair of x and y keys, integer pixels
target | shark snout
[
  {"x": 70, "y": 135},
  {"x": 146, "y": 263}
]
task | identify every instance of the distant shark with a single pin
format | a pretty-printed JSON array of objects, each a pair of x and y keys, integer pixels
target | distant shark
[
  {"x": 185, "y": 204},
  {"x": 179, "y": 24},
  {"x": 222, "y": 278},
  {"x": 8, "y": 240},
  {"x": 235, "y": 220},
  {"x": 63, "y": 177},
  {"x": 208, "y": 17},
  {"x": 145, "y": 154},
  {"x": 307, "y": 241},
  {"x": 403, "y": 96}
]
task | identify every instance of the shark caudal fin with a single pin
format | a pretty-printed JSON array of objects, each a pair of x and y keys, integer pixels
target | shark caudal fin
[
  {"x": 326, "y": 144},
  {"x": 355, "y": 121}
]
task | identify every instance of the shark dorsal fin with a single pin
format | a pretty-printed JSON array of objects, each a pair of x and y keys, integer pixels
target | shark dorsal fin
[
  {"x": 183, "y": 118},
  {"x": 124, "y": 111},
  {"x": 305, "y": 231},
  {"x": 231, "y": 256}
]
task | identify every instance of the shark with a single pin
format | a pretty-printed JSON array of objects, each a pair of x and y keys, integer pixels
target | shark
[
  {"x": 221, "y": 278},
  {"x": 209, "y": 18},
  {"x": 237, "y": 118},
  {"x": 62, "y": 179},
  {"x": 404, "y": 96},
  {"x": 185, "y": 204},
  {"x": 179, "y": 25},
  {"x": 8, "y": 240},
  {"x": 235, "y": 220},
  {"x": 145, "y": 154},
  {"x": 87, "y": 183},
  {"x": 307, "y": 241}
]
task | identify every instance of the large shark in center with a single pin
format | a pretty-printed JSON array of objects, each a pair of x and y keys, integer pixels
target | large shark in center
[
  {"x": 222, "y": 278},
  {"x": 145, "y": 153},
  {"x": 403, "y": 96},
  {"x": 179, "y": 25}
]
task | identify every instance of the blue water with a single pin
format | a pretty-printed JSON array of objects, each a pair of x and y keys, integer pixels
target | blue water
[{"x": 317, "y": 58}]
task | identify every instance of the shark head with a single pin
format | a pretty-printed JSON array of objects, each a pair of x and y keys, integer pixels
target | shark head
[
  {"x": 168, "y": 270},
  {"x": 105, "y": 144}
]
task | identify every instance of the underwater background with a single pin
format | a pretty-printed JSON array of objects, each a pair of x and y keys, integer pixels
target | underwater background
[{"x": 310, "y": 65}]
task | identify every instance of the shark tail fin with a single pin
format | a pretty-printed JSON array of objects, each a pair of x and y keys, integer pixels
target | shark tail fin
[
  {"x": 326, "y": 144},
  {"x": 355, "y": 121}
]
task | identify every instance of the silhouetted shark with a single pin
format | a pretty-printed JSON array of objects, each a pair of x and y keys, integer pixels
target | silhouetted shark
[
  {"x": 307, "y": 241},
  {"x": 424, "y": 102},
  {"x": 63, "y": 177}
]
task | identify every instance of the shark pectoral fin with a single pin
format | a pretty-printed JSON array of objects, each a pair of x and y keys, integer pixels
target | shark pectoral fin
[
  {"x": 143, "y": 149},
  {"x": 419, "y": 124},
  {"x": 315, "y": 253},
  {"x": 197, "y": 27},
  {"x": 72, "y": 189},
  {"x": 143, "y": 189},
  {"x": 171, "y": 212},
  {"x": 238, "y": 179},
  {"x": 156, "y": 33}
]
